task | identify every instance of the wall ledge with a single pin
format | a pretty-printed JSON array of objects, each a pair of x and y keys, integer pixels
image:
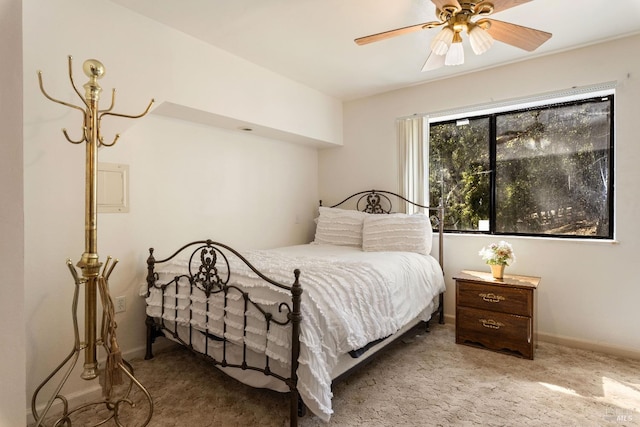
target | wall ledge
[{"x": 182, "y": 112}]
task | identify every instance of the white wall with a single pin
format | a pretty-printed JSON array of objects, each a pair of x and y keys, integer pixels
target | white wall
[
  {"x": 12, "y": 342},
  {"x": 191, "y": 182},
  {"x": 188, "y": 180},
  {"x": 589, "y": 291}
]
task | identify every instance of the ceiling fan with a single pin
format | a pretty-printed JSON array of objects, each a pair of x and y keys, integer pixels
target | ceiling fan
[{"x": 456, "y": 16}]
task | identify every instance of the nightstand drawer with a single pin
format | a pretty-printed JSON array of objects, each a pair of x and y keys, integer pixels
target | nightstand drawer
[
  {"x": 496, "y": 298},
  {"x": 496, "y": 331}
]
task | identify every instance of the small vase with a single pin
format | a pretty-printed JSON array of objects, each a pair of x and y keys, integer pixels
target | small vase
[{"x": 497, "y": 271}]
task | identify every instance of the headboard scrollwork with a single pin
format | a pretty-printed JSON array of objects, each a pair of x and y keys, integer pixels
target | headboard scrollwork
[
  {"x": 378, "y": 201},
  {"x": 374, "y": 203}
]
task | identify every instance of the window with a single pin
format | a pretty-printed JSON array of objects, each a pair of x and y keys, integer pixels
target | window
[{"x": 544, "y": 171}]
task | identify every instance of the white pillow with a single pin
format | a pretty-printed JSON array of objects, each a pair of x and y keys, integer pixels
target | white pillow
[
  {"x": 397, "y": 232},
  {"x": 339, "y": 227}
]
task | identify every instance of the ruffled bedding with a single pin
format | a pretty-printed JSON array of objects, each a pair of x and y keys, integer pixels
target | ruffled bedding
[{"x": 349, "y": 299}]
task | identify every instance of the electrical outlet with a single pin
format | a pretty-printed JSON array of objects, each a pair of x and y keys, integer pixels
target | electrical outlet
[{"x": 120, "y": 304}]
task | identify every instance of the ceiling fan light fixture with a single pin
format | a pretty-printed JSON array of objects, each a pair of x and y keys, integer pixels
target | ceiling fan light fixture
[
  {"x": 457, "y": 16},
  {"x": 480, "y": 39},
  {"x": 455, "y": 54},
  {"x": 441, "y": 42}
]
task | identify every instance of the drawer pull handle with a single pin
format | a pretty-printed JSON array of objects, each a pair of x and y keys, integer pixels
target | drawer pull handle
[
  {"x": 491, "y": 297},
  {"x": 490, "y": 323}
]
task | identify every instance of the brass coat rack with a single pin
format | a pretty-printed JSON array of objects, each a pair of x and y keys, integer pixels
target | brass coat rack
[{"x": 94, "y": 275}]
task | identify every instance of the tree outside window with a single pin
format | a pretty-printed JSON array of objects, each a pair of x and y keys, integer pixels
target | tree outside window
[{"x": 543, "y": 171}]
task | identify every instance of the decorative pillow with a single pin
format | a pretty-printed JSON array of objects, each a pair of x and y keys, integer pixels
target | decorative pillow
[
  {"x": 339, "y": 227},
  {"x": 397, "y": 232}
]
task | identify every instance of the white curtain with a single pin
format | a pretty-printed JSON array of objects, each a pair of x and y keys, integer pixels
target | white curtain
[{"x": 413, "y": 155}]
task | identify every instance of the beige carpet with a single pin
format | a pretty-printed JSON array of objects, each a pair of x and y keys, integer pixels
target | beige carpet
[{"x": 426, "y": 380}]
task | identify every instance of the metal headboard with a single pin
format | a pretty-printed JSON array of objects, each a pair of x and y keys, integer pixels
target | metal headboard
[{"x": 380, "y": 202}]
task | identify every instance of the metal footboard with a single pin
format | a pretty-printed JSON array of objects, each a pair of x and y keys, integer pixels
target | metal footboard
[{"x": 209, "y": 272}]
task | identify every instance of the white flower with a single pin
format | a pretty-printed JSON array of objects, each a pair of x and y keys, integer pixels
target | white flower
[{"x": 500, "y": 253}]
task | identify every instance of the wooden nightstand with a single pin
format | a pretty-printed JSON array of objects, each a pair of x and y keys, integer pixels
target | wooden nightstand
[{"x": 497, "y": 314}]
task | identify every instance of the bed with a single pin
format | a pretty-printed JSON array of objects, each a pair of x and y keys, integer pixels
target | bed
[{"x": 299, "y": 318}]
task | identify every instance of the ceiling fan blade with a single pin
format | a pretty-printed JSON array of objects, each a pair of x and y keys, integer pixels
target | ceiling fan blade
[
  {"x": 440, "y": 4},
  {"x": 500, "y": 5},
  {"x": 525, "y": 38},
  {"x": 433, "y": 62},
  {"x": 393, "y": 33}
]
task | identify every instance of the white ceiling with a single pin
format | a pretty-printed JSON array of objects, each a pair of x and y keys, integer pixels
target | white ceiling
[{"x": 311, "y": 41}]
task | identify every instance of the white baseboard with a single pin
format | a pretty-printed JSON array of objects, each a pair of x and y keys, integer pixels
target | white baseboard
[
  {"x": 449, "y": 319},
  {"x": 590, "y": 345},
  {"x": 630, "y": 353},
  {"x": 93, "y": 391}
]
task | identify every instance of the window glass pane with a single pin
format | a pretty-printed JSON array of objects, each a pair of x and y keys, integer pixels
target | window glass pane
[
  {"x": 552, "y": 170},
  {"x": 458, "y": 172}
]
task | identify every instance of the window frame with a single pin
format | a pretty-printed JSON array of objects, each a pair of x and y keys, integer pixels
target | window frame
[{"x": 492, "y": 114}]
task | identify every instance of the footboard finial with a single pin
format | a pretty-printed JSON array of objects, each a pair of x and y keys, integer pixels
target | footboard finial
[
  {"x": 151, "y": 277},
  {"x": 296, "y": 317}
]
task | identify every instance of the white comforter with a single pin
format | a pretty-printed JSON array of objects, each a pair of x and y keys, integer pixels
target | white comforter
[{"x": 349, "y": 299}]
